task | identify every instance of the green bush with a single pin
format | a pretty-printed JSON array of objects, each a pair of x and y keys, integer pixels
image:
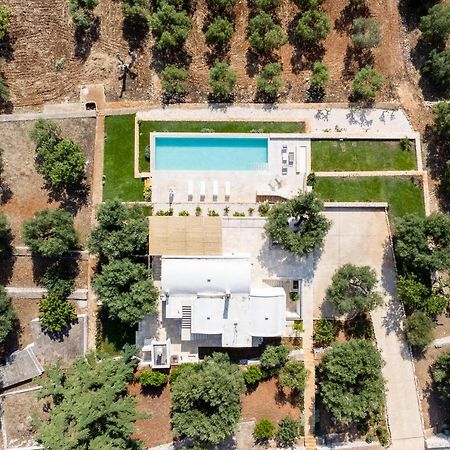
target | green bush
[
  {"x": 325, "y": 332},
  {"x": 293, "y": 376},
  {"x": 435, "y": 26},
  {"x": 59, "y": 278},
  {"x": 308, "y": 4},
  {"x": 7, "y": 315},
  {"x": 136, "y": 11},
  {"x": 219, "y": 32},
  {"x": 419, "y": 330},
  {"x": 313, "y": 26},
  {"x": 406, "y": 144},
  {"x": 366, "y": 33},
  {"x": 441, "y": 375},
  {"x": 264, "y": 431},
  {"x": 311, "y": 179},
  {"x": 288, "y": 432},
  {"x": 320, "y": 75},
  {"x": 367, "y": 83},
  {"x": 174, "y": 80},
  {"x": 437, "y": 67},
  {"x": 5, "y": 20},
  {"x": 5, "y": 234},
  {"x": 265, "y": 35},
  {"x": 266, "y": 5},
  {"x": 4, "y": 92},
  {"x": 269, "y": 82},
  {"x": 56, "y": 313},
  {"x": 383, "y": 436},
  {"x": 273, "y": 358},
  {"x": 442, "y": 119},
  {"x": 152, "y": 378},
  {"x": 183, "y": 367},
  {"x": 222, "y": 78},
  {"x": 81, "y": 12},
  {"x": 253, "y": 375},
  {"x": 220, "y": 5},
  {"x": 170, "y": 27},
  {"x": 263, "y": 209}
]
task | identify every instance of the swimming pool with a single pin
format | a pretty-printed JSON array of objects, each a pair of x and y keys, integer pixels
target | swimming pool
[{"x": 210, "y": 153}]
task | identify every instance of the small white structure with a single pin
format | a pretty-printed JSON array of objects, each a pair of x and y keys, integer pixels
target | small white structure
[
  {"x": 156, "y": 354},
  {"x": 211, "y": 295}
]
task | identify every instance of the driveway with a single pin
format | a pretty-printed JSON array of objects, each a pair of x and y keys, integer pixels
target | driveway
[{"x": 361, "y": 236}]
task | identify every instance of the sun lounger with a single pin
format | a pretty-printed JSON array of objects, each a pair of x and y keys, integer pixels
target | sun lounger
[
  {"x": 202, "y": 190},
  {"x": 278, "y": 179},
  {"x": 272, "y": 184},
  {"x": 284, "y": 170},
  {"x": 215, "y": 190},
  {"x": 291, "y": 158},
  {"x": 300, "y": 160},
  {"x": 284, "y": 148},
  {"x": 190, "y": 190},
  {"x": 227, "y": 189}
]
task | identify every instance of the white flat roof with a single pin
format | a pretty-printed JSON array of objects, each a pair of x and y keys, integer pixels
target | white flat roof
[
  {"x": 205, "y": 274},
  {"x": 268, "y": 312}
]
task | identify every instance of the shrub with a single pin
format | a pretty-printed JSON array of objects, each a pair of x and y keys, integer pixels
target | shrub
[
  {"x": 56, "y": 313},
  {"x": 170, "y": 27},
  {"x": 308, "y": 4},
  {"x": 265, "y": 35},
  {"x": 320, "y": 75},
  {"x": 222, "y": 78},
  {"x": 45, "y": 131},
  {"x": 367, "y": 83},
  {"x": 183, "y": 367},
  {"x": 152, "y": 378},
  {"x": 325, "y": 332},
  {"x": 50, "y": 233},
  {"x": 5, "y": 20},
  {"x": 264, "y": 431},
  {"x": 383, "y": 436},
  {"x": 297, "y": 224},
  {"x": 174, "y": 80},
  {"x": 352, "y": 289},
  {"x": 5, "y": 234},
  {"x": 81, "y": 12},
  {"x": 220, "y": 5},
  {"x": 263, "y": 209},
  {"x": 273, "y": 358},
  {"x": 437, "y": 67},
  {"x": 266, "y": 5},
  {"x": 253, "y": 375},
  {"x": 136, "y": 11},
  {"x": 311, "y": 179},
  {"x": 269, "y": 82},
  {"x": 293, "y": 376},
  {"x": 435, "y": 26},
  {"x": 419, "y": 330},
  {"x": 406, "y": 144},
  {"x": 366, "y": 33},
  {"x": 442, "y": 119},
  {"x": 183, "y": 213},
  {"x": 288, "y": 432},
  {"x": 4, "y": 92},
  {"x": 313, "y": 26},
  {"x": 59, "y": 279},
  {"x": 198, "y": 211},
  {"x": 219, "y": 32},
  {"x": 441, "y": 375},
  {"x": 7, "y": 315}
]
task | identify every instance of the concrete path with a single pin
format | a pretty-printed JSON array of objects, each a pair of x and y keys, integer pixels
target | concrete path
[{"x": 371, "y": 173}]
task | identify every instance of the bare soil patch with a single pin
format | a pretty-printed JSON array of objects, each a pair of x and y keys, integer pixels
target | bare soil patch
[
  {"x": 270, "y": 402},
  {"x": 156, "y": 430},
  {"x": 41, "y": 38}
]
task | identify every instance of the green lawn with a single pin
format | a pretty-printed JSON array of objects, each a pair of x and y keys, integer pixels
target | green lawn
[
  {"x": 402, "y": 193},
  {"x": 119, "y": 160},
  {"x": 219, "y": 127},
  {"x": 333, "y": 155}
]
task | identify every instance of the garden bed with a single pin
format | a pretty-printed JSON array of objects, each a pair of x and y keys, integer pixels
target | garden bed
[
  {"x": 361, "y": 155},
  {"x": 404, "y": 194}
]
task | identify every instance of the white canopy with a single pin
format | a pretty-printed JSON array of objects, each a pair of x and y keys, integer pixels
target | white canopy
[{"x": 268, "y": 312}]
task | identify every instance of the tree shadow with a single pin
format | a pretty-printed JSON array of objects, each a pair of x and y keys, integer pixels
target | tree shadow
[
  {"x": 356, "y": 59},
  {"x": 12, "y": 342},
  {"x": 7, "y": 261},
  {"x": 163, "y": 58},
  {"x": 254, "y": 62},
  {"x": 220, "y": 99},
  {"x": 72, "y": 198},
  {"x": 59, "y": 336},
  {"x": 67, "y": 268},
  {"x": 6, "y": 107},
  {"x": 7, "y": 47},
  {"x": 316, "y": 94},
  {"x": 344, "y": 22},
  {"x": 305, "y": 56},
  {"x": 85, "y": 38},
  {"x": 135, "y": 33}
]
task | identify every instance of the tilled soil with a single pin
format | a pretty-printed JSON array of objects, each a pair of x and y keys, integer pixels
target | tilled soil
[{"x": 42, "y": 34}]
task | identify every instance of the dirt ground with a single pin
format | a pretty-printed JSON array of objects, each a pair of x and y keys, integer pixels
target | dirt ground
[
  {"x": 25, "y": 193},
  {"x": 269, "y": 402},
  {"x": 32, "y": 51},
  {"x": 156, "y": 430},
  {"x": 435, "y": 412}
]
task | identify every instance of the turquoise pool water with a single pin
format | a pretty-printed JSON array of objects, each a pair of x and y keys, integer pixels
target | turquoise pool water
[{"x": 210, "y": 153}]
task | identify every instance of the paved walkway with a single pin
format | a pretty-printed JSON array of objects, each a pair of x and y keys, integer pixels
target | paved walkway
[{"x": 371, "y": 173}]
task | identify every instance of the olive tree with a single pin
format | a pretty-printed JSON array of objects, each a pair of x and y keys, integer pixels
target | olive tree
[
  {"x": 352, "y": 290},
  {"x": 350, "y": 381},
  {"x": 222, "y": 78},
  {"x": 442, "y": 119},
  {"x": 367, "y": 82},
  {"x": 297, "y": 224},
  {"x": 81, "y": 12},
  {"x": 313, "y": 26},
  {"x": 265, "y": 34},
  {"x": 437, "y": 67},
  {"x": 365, "y": 33},
  {"x": 56, "y": 313},
  {"x": 273, "y": 358},
  {"x": 219, "y": 32},
  {"x": 269, "y": 81},
  {"x": 419, "y": 330},
  {"x": 441, "y": 375},
  {"x": 5, "y": 20},
  {"x": 266, "y": 5},
  {"x": 7, "y": 315},
  {"x": 5, "y": 234},
  {"x": 220, "y": 5},
  {"x": 4, "y": 92},
  {"x": 170, "y": 27},
  {"x": 293, "y": 376},
  {"x": 136, "y": 11},
  {"x": 50, "y": 233},
  {"x": 435, "y": 26},
  {"x": 174, "y": 80},
  {"x": 320, "y": 75}
]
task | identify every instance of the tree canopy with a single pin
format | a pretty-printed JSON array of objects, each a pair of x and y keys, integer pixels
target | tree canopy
[
  {"x": 220, "y": 5},
  {"x": 5, "y": 20},
  {"x": 366, "y": 33},
  {"x": 89, "y": 407},
  {"x": 293, "y": 376},
  {"x": 56, "y": 313},
  {"x": 442, "y": 119},
  {"x": 266, "y": 5},
  {"x": 320, "y": 75},
  {"x": 222, "y": 78},
  {"x": 435, "y": 26},
  {"x": 441, "y": 375},
  {"x": 205, "y": 400},
  {"x": 297, "y": 224},
  {"x": 437, "y": 67},
  {"x": 423, "y": 243},
  {"x": 269, "y": 81},
  {"x": 273, "y": 358},
  {"x": 352, "y": 289},
  {"x": 219, "y": 32},
  {"x": 265, "y": 34},
  {"x": 121, "y": 231},
  {"x": 351, "y": 383},
  {"x": 81, "y": 12},
  {"x": 419, "y": 330},
  {"x": 367, "y": 82},
  {"x": 171, "y": 27},
  {"x": 126, "y": 290},
  {"x": 50, "y": 233},
  {"x": 5, "y": 234},
  {"x": 174, "y": 80},
  {"x": 313, "y": 26},
  {"x": 136, "y": 11},
  {"x": 7, "y": 315}
]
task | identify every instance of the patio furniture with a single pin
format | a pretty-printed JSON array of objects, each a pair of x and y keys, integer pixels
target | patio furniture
[
  {"x": 190, "y": 189},
  {"x": 202, "y": 190},
  {"x": 291, "y": 158},
  {"x": 215, "y": 190},
  {"x": 227, "y": 190},
  {"x": 272, "y": 184},
  {"x": 284, "y": 148},
  {"x": 278, "y": 179},
  {"x": 284, "y": 169}
]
